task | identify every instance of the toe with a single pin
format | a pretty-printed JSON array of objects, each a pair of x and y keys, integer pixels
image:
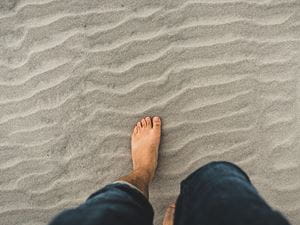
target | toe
[
  {"x": 135, "y": 130},
  {"x": 148, "y": 121},
  {"x": 169, "y": 215},
  {"x": 139, "y": 125},
  {"x": 156, "y": 122},
  {"x": 144, "y": 124}
]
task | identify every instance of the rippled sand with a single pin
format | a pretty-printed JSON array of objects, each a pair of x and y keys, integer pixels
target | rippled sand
[{"x": 76, "y": 75}]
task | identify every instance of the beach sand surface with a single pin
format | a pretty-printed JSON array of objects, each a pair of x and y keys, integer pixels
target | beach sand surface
[{"x": 75, "y": 76}]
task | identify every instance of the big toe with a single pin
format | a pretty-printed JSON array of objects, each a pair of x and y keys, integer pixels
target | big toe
[
  {"x": 169, "y": 215},
  {"x": 156, "y": 122}
]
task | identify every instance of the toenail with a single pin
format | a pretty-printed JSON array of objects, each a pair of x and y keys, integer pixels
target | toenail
[{"x": 156, "y": 118}]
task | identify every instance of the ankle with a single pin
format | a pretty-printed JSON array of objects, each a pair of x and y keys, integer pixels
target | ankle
[
  {"x": 140, "y": 179},
  {"x": 143, "y": 174}
]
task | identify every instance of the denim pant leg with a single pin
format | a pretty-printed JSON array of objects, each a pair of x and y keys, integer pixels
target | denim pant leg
[
  {"x": 220, "y": 193},
  {"x": 115, "y": 204}
]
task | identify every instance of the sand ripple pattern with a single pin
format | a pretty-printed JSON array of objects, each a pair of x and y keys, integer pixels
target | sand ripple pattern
[{"x": 76, "y": 75}]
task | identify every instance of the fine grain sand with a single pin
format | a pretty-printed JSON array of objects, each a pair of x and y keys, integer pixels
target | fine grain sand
[{"x": 76, "y": 75}]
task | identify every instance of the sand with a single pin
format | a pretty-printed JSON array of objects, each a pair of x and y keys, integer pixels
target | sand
[{"x": 76, "y": 75}]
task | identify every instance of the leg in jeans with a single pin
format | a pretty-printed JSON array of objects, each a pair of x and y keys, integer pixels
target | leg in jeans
[
  {"x": 220, "y": 193},
  {"x": 126, "y": 200}
]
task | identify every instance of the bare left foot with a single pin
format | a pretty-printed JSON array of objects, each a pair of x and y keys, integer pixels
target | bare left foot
[{"x": 145, "y": 141}]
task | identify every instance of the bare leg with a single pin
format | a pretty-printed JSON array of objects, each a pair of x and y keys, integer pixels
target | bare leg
[{"x": 145, "y": 141}]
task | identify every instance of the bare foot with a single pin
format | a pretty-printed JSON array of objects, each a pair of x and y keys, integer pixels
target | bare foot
[
  {"x": 145, "y": 141},
  {"x": 169, "y": 215}
]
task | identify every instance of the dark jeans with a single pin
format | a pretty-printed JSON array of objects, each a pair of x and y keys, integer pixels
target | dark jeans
[{"x": 219, "y": 193}]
